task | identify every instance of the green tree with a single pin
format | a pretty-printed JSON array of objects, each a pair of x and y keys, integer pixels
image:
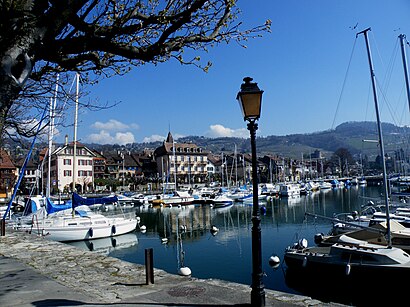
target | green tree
[{"x": 97, "y": 39}]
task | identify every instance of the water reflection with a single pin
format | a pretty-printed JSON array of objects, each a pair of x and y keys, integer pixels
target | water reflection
[{"x": 226, "y": 254}]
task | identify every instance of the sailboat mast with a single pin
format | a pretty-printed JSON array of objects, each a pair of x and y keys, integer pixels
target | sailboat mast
[
  {"x": 372, "y": 75},
  {"x": 75, "y": 132},
  {"x": 406, "y": 73},
  {"x": 53, "y": 103},
  {"x": 175, "y": 165}
]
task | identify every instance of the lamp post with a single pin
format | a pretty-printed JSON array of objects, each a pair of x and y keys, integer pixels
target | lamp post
[{"x": 250, "y": 99}]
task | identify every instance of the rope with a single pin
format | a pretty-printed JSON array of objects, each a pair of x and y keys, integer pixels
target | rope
[
  {"x": 24, "y": 165},
  {"x": 344, "y": 83}
]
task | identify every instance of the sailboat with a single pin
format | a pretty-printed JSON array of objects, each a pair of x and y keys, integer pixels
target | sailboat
[
  {"x": 352, "y": 266},
  {"x": 74, "y": 221}
]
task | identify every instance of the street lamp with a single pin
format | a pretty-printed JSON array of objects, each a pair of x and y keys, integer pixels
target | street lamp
[{"x": 250, "y": 99}]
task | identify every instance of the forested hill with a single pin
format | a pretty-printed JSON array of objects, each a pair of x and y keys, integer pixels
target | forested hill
[{"x": 348, "y": 135}]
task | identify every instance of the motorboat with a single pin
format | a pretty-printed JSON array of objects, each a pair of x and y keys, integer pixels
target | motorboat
[
  {"x": 177, "y": 198},
  {"x": 289, "y": 190},
  {"x": 221, "y": 201}
]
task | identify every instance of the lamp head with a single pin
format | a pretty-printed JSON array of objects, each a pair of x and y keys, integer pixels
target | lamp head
[{"x": 250, "y": 99}]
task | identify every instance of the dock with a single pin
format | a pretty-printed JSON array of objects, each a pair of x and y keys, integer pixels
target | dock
[{"x": 35, "y": 271}]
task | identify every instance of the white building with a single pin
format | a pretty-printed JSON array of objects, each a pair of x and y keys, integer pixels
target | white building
[{"x": 63, "y": 167}]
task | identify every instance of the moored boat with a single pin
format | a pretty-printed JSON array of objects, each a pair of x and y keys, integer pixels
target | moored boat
[{"x": 75, "y": 223}]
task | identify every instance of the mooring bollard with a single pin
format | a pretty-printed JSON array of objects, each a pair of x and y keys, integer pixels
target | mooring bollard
[
  {"x": 2, "y": 227},
  {"x": 149, "y": 266}
]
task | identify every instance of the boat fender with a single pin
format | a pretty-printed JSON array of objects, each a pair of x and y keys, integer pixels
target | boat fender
[
  {"x": 138, "y": 219},
  {"x": 319, "y": 238},
  {"x": 113, "y": 230},
  {"x": 304, "y": 263},
  {"x": 184, "y": 271},
  {"x": 90, "y": 232},
  {"x": 143, "y": 227},
  {"x": 348, "y": 268},
  {"x": 274, "y": 261},
  {"x": 302, "y": 243}
]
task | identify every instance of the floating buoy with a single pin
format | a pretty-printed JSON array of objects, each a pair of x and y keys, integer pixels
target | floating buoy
[
  {"x": 164, "y": 240},
  {"x": 179, "y": 206},
  {"x": 274, "y": 261},
  {"x": 214, "y": 230},
  {"x": 348, "y": 268},
  {"x": 304, "y": 263},
  {"x": 143, "y": 227},
  {"x": 184, "y": 271}
]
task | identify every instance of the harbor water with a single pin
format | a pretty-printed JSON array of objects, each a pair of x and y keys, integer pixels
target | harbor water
[{"x": 186, "y": 236}]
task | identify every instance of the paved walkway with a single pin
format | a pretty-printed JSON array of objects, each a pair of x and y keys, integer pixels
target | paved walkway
[{"x": 35, "y": 271}]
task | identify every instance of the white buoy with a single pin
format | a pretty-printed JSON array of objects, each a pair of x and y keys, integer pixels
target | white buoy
[
  {"x": 214, "y": 230},
  {"x": 184, "y": 271},
  {"x": 274, "y": 261},
  {"x": 164, "y": 240},
  {"x": 143, "y": 227}
]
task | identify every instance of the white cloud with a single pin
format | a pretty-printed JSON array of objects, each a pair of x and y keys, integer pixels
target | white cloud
[
  {"x": 104, "y": 137},
  {"x": 112, "y": 132},
  {"x": 124, "y": 138},
  {"x": 160, "y": 138},
  {"x": 217, "y": 130},
  {"x": 114, "y": 125},
  {"x": 154, "y": 138}
]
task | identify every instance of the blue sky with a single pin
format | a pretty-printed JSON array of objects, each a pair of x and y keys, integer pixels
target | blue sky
[{"x": 301, "y": 66}]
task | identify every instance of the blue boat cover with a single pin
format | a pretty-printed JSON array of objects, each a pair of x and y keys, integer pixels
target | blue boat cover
[
  {"x": 52, "y": 208},
  {"x": 77, "y": 200}
]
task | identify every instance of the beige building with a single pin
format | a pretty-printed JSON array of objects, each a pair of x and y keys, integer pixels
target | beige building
[
  {"x": 185, "y": 162},
  {"x": 62, "y": 169}
]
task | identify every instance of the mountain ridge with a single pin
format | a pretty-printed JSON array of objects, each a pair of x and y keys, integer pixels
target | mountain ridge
[{"x": 349, "y": 135}]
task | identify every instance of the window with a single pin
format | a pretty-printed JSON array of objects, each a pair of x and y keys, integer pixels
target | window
[
  {"x": 67, "y": 173},
  {"x": 67, "y": 162}
]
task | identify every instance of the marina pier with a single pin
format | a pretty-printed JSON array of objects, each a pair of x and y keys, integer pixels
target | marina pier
[{"x": 36, "y": 271}]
